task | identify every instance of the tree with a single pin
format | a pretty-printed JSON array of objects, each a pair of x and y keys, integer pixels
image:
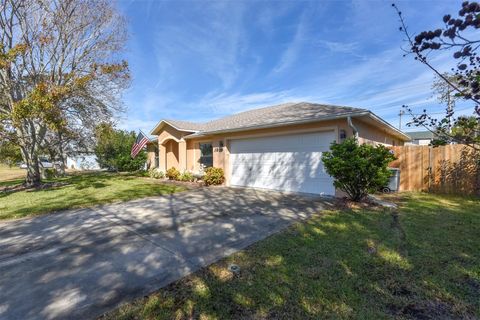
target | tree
[
  {"x": 358, "y": 169},
  {"x": 62, "y": 143},
  {"x": 456, "y": 36},
  {"x": 9, "y": 153},
  {"x": 59, "y": 71},
  {"x": 464, "y": 128},
  {"x": 113, "y": 148},
  {"x": 446, "y": 95}
]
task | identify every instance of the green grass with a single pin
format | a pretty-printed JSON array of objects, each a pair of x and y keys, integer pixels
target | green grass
[
  {"x": 11, "y": 175},
  {"x": 362, "y": 264},
  {"x": 80, "y": 190}
]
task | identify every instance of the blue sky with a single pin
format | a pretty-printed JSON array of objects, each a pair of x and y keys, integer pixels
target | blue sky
[{"x": 200, "y": 60}]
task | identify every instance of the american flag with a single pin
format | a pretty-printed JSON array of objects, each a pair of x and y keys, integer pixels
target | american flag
[{"x": 139, "y": 144}]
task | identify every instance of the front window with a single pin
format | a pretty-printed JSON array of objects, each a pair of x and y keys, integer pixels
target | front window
[{"x": 206, "y": 155}]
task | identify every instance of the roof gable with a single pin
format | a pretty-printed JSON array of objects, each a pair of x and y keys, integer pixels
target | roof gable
[
  {"x": 179, "y": 125},
  {"x": 282, "y": 114},
  {"x": 287, "y": 112}
]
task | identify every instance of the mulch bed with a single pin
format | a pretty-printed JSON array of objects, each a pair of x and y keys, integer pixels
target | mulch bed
[
  {"x": 345, "y": 203},
  {"x": 185, "y": 184}
]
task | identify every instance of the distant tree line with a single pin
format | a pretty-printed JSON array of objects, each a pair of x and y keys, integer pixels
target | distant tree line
[{"x": 113, "y": 148}]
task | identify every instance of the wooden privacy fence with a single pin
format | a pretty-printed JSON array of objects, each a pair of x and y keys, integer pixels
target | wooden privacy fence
[{"x": 446, "y": 169}]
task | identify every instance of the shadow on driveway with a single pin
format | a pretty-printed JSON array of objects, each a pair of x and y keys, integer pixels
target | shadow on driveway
[{"x": 81, "y": 263}]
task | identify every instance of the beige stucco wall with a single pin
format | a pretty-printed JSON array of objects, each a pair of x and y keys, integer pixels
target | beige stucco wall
[
  {"x": 172, "y": 152},
  {"x": 169, "y": 133},
  {"x": 370, "y": 134},
  {"x": 150, "y": 155},
  {"x": 179, "y": 147}
]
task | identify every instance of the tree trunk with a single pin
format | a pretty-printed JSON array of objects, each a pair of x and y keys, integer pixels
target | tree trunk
[
  {"x": 62, "y": 155},
  {"x": 31, "y": 135},
  {"x": 34, "y": 177}
]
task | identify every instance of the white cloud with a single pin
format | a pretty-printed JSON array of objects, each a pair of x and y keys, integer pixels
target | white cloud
[
  {"x": 290, "y": 55},
  {"x": 136, "y": 124},
  {"x": 215, "y": 39},
  {"x": 339, "y": 47},
  {"x": 221, "y": 104},
  {"x": 220, "y": 41}
]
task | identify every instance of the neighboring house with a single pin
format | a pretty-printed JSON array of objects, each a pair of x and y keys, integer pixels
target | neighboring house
[
  {"x": 276, "y": 147},
  {"x": 421, "y": 138},
  {"x": 87, "y": 161}
]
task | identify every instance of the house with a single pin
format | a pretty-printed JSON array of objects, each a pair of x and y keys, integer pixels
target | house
[
  {"x": 421, "y": 138},
  {"x": 277, "y": 147},
  {"x": 83, "y": 161}
]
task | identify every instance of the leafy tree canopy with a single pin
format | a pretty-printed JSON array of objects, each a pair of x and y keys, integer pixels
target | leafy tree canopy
[
  {"x": 10, "y": 153},
  {"x": 60, "y": 72},
  {"x": 113, "y": 148}
]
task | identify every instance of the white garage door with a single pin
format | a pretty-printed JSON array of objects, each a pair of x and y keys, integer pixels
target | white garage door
[{"x": 286, "y": 163}]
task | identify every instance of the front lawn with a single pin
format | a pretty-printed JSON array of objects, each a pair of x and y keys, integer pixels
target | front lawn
[
  {"x": 422, "y": 262},
  {"x": 78, "y": 190},
  {"x": 10, "y": 175}
]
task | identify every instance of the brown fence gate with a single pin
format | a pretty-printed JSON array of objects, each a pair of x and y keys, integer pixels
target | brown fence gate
[{"x": 446, "y": 169}]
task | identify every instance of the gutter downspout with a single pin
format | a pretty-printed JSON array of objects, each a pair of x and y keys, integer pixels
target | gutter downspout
[{"x": 350, "y": 124}]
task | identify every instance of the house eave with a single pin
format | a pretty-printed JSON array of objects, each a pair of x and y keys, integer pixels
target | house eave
[
  {"x": 396, "y": 131},
  {"x": 275, "y": 125},
  {"x": 198, "y": 134},
  {"x": 163, "y": 122}
]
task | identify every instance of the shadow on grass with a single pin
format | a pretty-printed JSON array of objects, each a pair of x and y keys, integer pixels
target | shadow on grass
[
  {"x": 343, "y": 264},
  {"x": 77, "y": 191},
  {"x": 10, "y": 183}
]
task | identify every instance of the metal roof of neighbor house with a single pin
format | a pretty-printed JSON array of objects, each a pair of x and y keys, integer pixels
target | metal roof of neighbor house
[
  {"x": 287, "y": 113},
  {"x": 416, "y": 135}
]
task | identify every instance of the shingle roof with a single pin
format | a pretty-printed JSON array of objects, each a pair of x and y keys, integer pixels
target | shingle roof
[
  {"x": 283, "y": 113},
  {"x": 278, "y": 114},
  {"x": 420, "y": 135},
  {"x": 185, "y": 125}
]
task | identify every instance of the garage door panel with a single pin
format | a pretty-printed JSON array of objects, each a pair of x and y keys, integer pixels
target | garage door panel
[{"x": 288, "y": 163}]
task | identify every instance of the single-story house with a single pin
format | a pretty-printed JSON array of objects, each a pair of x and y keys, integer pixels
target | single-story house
[
  {"x": 277, "y": 147},
  {"x": 83, "y": 161},
  {"x": 421, "y": 138}
]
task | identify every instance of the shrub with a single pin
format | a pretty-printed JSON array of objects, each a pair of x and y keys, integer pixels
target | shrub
[
  {"x": 49, "y": 173},
  {"x": 142, "y": 173},
  {"x": 173, "y": 174},
  {"x": 187, "y": 176},
  {"x": 358, "y": 169},
  {"x": 155, "y": 173},
  {"x": 213, "y": 176},
  {"x": 113, "y": 149}
]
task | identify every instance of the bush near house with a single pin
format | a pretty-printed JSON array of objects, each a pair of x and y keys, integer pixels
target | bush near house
[
  {"x": 187, "y": 177},
  {"x": 358, "y": 169},
  {"x": 155, "y": 173},
  {"x": 213, "y": 176},
  {"x": 173, "y": 174}
]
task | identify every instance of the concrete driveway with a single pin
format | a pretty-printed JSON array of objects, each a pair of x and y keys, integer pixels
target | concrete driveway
[{"x": 77, "y": 264}]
